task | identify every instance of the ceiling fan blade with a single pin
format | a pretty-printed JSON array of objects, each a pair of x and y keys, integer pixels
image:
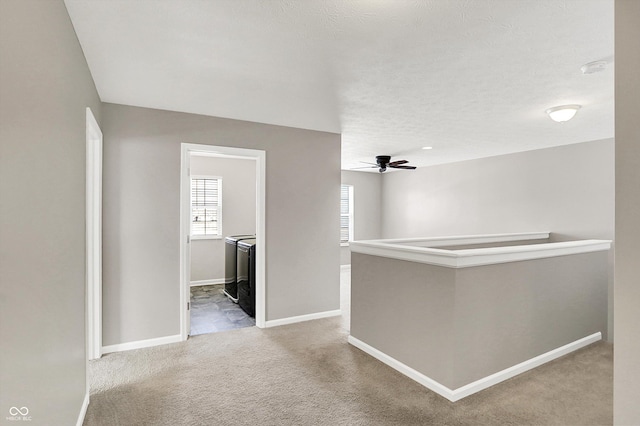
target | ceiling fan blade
[
  {"x": 396, "y": 163},
  {"x": 402, "y": 167},
  {"x": 366, "y": 162},
  {"x": 365, "y": 167}
]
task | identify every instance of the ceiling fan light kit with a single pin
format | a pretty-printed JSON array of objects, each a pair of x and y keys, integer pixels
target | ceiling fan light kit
[{"x": 384, "y": 161}]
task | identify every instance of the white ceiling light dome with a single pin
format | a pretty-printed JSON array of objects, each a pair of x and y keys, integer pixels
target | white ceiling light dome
[
  {"x": 563, "y": 113},
  {"x": 594, "y": 67}
]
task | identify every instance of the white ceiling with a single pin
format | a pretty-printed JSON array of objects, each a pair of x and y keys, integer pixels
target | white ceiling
[{"x": 471, "y": 78}]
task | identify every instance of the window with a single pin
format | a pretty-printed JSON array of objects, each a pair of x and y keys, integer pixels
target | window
[
  {"x": 206, "y": 207},
  {"x": 346, "y": 214}
]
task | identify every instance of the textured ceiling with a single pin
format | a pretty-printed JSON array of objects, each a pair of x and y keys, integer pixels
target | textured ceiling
[{"x": 471, "y": 78}]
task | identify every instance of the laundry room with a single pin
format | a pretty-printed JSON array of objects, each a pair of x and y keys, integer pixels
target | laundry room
[{"x": 223, "y": 214}]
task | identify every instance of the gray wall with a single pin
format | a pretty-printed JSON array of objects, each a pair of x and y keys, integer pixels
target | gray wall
[
  {"x": 627, "y": 284},
  {"x": 238, "y": 211},
  {"x": 568, "y": 190},
  {"x": 367, "y": 200},
  {"x": 45, "y": 86},
  {"x": 142, "y": 179},
  {"x": 394, "y": 306},
  {"x": 458, "y": 325}
]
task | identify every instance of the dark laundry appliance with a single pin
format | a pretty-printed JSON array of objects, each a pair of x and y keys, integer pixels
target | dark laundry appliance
[
  {"x": 247, "y": 276},
  {"x": 231, "y": 264}
]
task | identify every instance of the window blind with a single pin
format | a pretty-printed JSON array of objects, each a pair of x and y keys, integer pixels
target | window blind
[
  {"x": 346, "y": 213},
  {"x": 205, "y": 206}
]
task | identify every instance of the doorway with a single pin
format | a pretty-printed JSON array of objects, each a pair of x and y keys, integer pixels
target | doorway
[
  {"x": 202, "y": 242},
  {"x": 223, "y": 206}
]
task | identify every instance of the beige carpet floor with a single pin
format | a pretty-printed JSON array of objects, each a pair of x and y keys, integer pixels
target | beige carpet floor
[{"x": 307, "y": 374}]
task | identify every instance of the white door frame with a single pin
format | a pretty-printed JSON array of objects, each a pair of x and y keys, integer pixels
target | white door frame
[
  {"x": 94, "y": 237},
  {"x": 259, "y": 157}
]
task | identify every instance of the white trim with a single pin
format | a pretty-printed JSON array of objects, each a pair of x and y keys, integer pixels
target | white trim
[
  {"x": 206, "y": 282},
  {"x": 352, "y": 213},
  {"x": 260, "y": 157},
  {"x": 466, "y": 239},
  {"x": 261, "y": 242},
  {"x": 83, "y": 409},
  {"x": 402, "y": 368},
  {"x": 141, "y": 344},
  {"x": 423, "y": 250},
  {"x": 93, "y": 236},
  {"x": 185, "y": 241},
  {"x": 522, "y": 367},
  {"x": 301, "y": 318},
  {"x": 478, "y": 385},
  {"x": 343, "y": 267},
  {"x": 206, "y": 237},
  {"x": 205, "y": 176}
]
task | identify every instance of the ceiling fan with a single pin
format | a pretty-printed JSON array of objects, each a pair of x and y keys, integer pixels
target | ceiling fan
[{"x": 384, "y": 161}]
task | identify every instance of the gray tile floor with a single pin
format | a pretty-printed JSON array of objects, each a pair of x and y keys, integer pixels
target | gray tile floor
[{"x": 212, "y": 311}]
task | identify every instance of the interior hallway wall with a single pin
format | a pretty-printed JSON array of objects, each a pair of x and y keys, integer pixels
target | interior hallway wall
[
  {"x": 568, "y": 190},
  {"x": 45, "y": 87},
  {"x": 367, "y": 199},
  {"x": 141, "y": 259},
  {"x": 238, "y": 212},
  {"x": 626, "y": 410}
]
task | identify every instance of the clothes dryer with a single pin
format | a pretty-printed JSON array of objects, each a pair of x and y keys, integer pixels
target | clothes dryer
[
  {"x": 231, "y": 264},
  {"x": 247, "y": 276}
]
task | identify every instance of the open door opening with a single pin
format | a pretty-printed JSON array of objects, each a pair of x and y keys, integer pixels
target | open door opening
[{"x": 222, "y": 204}]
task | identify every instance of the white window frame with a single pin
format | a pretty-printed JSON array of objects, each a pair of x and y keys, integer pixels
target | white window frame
[
  {"x": 217, "y": 236},
  {"x": 350, "y": 215}
]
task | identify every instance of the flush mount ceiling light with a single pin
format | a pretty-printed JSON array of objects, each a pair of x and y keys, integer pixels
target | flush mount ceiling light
[
  {"x": 563, "y": 113},
  {"x": 427, "y": 147},
  {"x": 593, "y": 67}
]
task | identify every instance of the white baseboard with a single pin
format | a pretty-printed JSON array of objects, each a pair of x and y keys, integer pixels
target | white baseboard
[
  {"x": 301, "y": 318},
  {"x": 141, "y": 344},
  {"x": 402, "y": 368},
  {"x": 478, "y": 385},
  {"x": 206, "y": 282},
  {"x": 83, "y": 410}
]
